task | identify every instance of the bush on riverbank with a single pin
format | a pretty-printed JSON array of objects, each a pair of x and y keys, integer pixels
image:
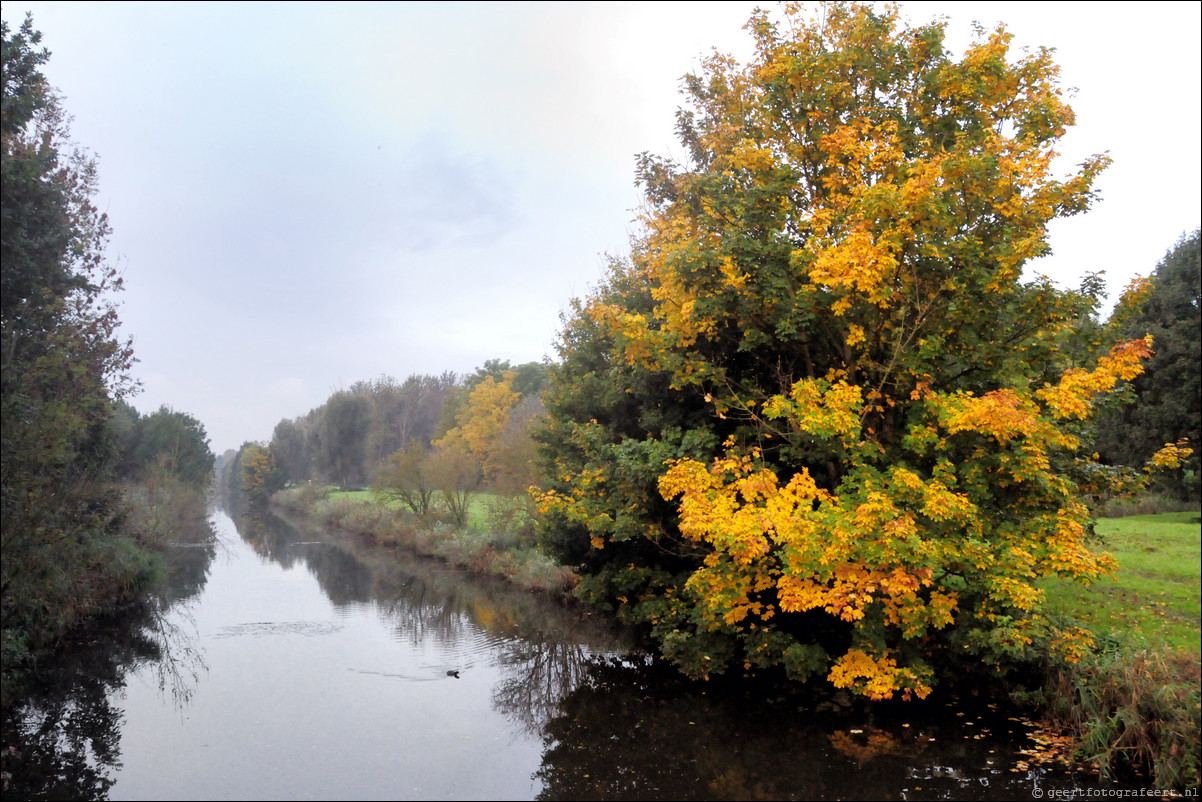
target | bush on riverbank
[
  {"x": 484, "y": 545},
  {"x": 165, "y": 509}
]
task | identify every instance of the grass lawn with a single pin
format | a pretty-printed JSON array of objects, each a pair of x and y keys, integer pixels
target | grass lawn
[
  {"x": 476, "y": 514},
  {"x": 351, "y": 495},
  {"x": 1158, "y": 590}
]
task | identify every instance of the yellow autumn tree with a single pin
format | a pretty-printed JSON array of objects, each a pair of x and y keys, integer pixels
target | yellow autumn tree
[
  {"x": 858, "y": 411},
  {"x": 482, "y": 422}
]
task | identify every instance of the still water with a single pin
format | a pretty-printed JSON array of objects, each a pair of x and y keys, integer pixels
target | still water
[
  {"x": 326, "y": 679},
  {"x": 292, "y": 665}
]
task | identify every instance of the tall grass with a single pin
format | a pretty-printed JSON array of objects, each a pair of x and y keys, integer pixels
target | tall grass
[
  {"x": 1133, "y": 704},
  {"x": 1131, "y": 708}
]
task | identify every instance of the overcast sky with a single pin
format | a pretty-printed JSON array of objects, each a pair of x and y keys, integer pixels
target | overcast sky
[{"x": 308, "y": 195}]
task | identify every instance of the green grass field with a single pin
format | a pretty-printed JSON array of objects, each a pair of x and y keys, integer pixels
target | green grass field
[
  {"x": 1157, "y": 593},
  {"x": 350, "y": 495},
  {"x": 476, "y": 515}
]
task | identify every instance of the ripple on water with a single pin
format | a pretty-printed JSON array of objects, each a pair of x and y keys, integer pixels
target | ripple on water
[
  {"x": 259, "y": 628},
  {"x": 427, "y": 673}
]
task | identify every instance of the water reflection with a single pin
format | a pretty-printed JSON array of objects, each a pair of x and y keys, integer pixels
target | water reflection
[
  {"x": 412, "y": 679},
  {"x": 540, "y": 647},
  {"x": 634, "y": 730},
  {"x": 62, "y": 741},
  {"x": 538, "y": 676}
]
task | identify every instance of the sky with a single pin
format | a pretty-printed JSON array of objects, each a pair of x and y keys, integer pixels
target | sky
[{"x": 307, "y": 195}]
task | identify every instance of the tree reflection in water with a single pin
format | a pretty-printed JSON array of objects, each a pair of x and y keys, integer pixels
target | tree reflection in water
[
  {"x": 540, "y": 646},
  {"x": 634, "y": 729},
  {"x": 538, "y": 676},
  {"x": 62, "y": 740}
]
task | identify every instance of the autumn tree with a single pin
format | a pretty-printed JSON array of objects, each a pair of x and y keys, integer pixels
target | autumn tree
[
  {"x": 481, "y": 424},
  {"x": 514, "y": 449},
  {"x": 260, "y": 473},
  {"x": 528, "y": 381},
  {"x": 484, "y": 438},
  {"x": 820, "y": 421}
]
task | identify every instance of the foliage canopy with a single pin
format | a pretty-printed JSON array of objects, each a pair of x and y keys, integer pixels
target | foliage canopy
[{"x": 820, "y": 421}]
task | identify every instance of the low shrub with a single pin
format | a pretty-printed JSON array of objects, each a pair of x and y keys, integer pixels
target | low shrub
[
  {"x": 511, "y": 520},
  {"x": 1153, "y": 503},
  {"x": 301, "y": 498}
]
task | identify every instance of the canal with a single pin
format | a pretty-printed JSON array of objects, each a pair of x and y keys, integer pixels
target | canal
[{"x": 289, "y": 664}]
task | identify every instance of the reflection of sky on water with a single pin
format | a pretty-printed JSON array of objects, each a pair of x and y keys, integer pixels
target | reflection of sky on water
[{"x": 305, "y": 696}]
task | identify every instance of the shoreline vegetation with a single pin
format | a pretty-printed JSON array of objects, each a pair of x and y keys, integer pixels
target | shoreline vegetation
[
  {"x": 496, "y": 540},
  {"x": 104, "y": 577},
  {"x": 1131, "y": 708},
  {"x": 91, "y": 489},
  {"x": 1134, "y": 701}
]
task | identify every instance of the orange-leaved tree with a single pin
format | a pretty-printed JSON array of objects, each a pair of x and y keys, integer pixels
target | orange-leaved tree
[{"x": 821, "y": 421}]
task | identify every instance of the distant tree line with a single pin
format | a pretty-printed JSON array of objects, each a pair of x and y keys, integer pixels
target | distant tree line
[{"x": 425, "y": 438}]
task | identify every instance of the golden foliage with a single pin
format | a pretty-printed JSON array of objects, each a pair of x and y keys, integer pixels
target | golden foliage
[
  {"x": 837, "y": 274},
  {"x": 482, "y": 423},
  {"x": 1071, "y": 397}
]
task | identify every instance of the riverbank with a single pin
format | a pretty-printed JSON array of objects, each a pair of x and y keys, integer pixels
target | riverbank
[
  {"x": 57, "y": 590},
  {"x": 497, "y": 541}
]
